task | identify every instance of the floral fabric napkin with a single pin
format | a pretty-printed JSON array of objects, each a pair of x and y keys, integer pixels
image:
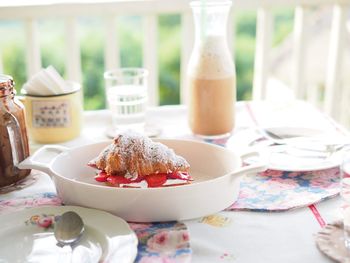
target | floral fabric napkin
[
  {"x": 274, "y": 190},
  {"x": 35, "y": 200},
  {"x": 279, "y": 191},
  {"x": 162, "y": 242}
]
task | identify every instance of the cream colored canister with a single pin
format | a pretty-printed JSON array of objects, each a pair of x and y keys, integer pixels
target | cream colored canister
[{"x": 54, "y": 118}]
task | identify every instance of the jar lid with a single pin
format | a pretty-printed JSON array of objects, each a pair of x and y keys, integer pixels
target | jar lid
[{"x": 6, "y": 81}]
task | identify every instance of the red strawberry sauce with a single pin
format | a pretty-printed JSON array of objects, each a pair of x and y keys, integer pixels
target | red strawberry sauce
[{"x": 153, "y": 180}]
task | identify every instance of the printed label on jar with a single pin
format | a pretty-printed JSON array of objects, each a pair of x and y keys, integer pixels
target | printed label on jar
[{"x": 54, "y": 114}]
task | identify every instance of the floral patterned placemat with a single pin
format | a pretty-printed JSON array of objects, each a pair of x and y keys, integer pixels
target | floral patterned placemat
[
  {"x": 279, "y": 191},
  {"x": 27, "y": 181},
  {"x": 162, "y": 242},
  {"x": 35, "y": 200}
]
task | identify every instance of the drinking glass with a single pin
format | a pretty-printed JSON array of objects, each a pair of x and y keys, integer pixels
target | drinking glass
[
  {"x": 126, "y": 95},
  {"x": 345, "y": 195}
]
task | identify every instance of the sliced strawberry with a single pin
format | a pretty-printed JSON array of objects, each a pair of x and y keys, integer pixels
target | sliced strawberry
[
  {"x": 153, "y": 180},
  {"x": 180, "y": 175},
  {"x": 116, "y": 180},
  {"x": 101, "y": 177},
  {"x": 156, "y": 180},
  {"x": 138, "y": 179}
]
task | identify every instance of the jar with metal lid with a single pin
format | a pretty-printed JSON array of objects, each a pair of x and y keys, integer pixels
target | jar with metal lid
[{"x": 14, "y": 146}]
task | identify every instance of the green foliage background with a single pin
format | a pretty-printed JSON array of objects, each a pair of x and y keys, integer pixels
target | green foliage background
[{"x": 129, "y": 30}]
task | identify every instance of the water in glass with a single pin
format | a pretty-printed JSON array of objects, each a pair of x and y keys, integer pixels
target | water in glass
[{"x": 126, "y": 93}]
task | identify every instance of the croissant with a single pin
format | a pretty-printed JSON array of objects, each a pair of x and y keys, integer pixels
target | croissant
[{"x": 134, "y": 157}]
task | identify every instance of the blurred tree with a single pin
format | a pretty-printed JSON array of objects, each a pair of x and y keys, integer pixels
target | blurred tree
[
  {"x": 169, "y": 59},
  {"x": 92, "y": 63},
  {"x": 130, "y": 44},
  {"x": 13, "y": 54},
  {"x": 52, "y": 44},
  {"x": 245, "y": 23},
  {"x": 13, "y": 51},
  {"x": 130, "y": 38},
  {"x": 283, "y": 24}
]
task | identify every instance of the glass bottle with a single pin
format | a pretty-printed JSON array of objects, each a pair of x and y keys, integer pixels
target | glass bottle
[
  {"x": 211, "y": 72},
  {"x": 14, "y": 146}
]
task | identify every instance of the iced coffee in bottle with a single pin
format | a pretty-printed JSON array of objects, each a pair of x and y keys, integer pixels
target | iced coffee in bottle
[{"x": 211, "y": 72}]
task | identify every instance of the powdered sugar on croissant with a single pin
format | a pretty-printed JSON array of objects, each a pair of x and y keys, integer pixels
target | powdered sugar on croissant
[{"x": 132, "y": 155}]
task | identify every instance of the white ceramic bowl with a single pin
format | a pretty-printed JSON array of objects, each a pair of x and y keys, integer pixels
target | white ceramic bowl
[{"x": 216, "y": 171}]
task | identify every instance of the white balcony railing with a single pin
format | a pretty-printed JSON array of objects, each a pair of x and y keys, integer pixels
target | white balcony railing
[{"x": 150, "y": 9}]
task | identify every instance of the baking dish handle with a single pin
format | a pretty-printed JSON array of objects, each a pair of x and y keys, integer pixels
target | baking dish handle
[
  {"x": 42, "y": 158},
  {"x": 259, "y": 166}
]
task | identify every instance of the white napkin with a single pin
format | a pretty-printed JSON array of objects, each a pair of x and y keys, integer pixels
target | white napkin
[{"x": 46, "y": 82}]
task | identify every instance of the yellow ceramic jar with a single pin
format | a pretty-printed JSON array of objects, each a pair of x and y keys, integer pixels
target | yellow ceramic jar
[{"x": 54, "y": 118}]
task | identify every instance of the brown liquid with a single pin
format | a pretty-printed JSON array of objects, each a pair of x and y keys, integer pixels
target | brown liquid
[
  {"x": 13, "y": 137},
  {"x": 211, "y": 105}
]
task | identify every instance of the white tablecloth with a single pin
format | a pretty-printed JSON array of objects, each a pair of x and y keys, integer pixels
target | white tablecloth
[{"x": 233, "y": 236}]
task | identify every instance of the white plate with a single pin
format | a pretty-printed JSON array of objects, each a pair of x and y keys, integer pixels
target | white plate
[
  {"x": 288, "y": 135},
  {"x": 106, "y": 238},
  {"x": 288, "y": 158},
  {"x": 307, "y": 137},
  {"x": 293, "y": 132}
]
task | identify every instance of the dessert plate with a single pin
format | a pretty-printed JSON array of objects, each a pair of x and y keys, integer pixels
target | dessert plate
[
  {"x": 216, "y": 172},
  {"x": 307, "y": 138},
  {"x": 286, "y": 135},
  {"x": 289, "y": 158},
  {"x": 330, "y": 241},
  {"x": 285, "y": 132},
  {"x": 27, "y": 236}
]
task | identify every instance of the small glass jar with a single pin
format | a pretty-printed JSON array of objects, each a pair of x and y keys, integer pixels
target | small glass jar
[{"x": 14, "y": 146}]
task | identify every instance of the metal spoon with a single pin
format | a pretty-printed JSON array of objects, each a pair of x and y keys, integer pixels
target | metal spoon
[
  {"x": 68, "y": 229},
  {"x": 319, "y": 146}
]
